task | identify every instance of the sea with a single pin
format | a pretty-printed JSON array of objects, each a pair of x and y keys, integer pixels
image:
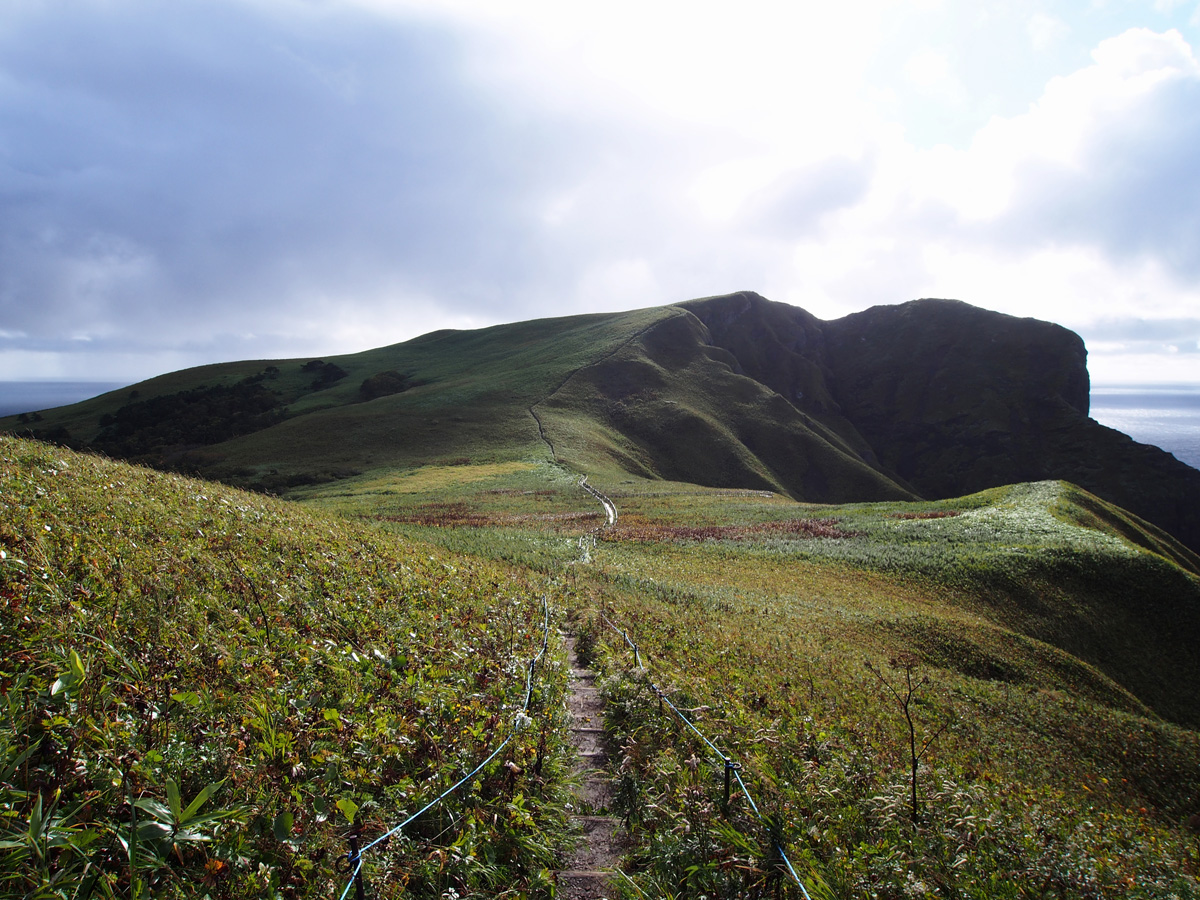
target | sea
[
  {"x": 30, "y": 396},
  {"x": 1166, "y": 415}
]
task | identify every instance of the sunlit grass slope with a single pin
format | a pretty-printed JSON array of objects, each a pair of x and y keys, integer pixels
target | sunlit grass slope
[
  {"x": 1047, "y": 636},
  {"x": 1114, "y": 595},
  {"x": 931, "y": 398},
  {"x": 203, "y": 687},
  {"x": 468, "y": 396},
  {"x": 1051, "y": 639},
  {"x": 1083, "y": 585}
]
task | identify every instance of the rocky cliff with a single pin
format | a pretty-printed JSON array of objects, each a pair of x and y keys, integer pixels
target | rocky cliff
[{"x": 947, "y": 399}]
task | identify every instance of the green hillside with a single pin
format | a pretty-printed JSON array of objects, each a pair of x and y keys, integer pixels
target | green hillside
[
  {"x": 457, "y": 394},
  {"x": 203, "y": 688},
  {"x": 561, "y": 389},
  {"x": 1052, "y": 637},
  {"x": 165, "y": 637},
  {"x": 668, "y": 405},
  {"x": 933, "y": 399}
]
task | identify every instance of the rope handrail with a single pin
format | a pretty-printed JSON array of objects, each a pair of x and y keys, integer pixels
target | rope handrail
[
  {"x": 355, "y": 856},
  {"x": 730, "y": 765}
]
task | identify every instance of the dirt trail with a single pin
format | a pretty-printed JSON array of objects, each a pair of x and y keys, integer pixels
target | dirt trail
[
  {"x": 590, "y": 870},
  {"x": 587, "y": 540},
  {"x": 610, "y": 508}
]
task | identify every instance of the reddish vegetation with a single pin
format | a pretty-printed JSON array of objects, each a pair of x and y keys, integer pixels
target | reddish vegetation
[
  {"x": 443, "y": 515},
  {"x": 647, "y": 532},
  {"x": 936, "y": 514},
  {"x": 464, "y": 515}
]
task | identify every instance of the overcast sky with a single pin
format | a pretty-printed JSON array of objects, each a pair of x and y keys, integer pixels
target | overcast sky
[{"x": 205, "y": 180}]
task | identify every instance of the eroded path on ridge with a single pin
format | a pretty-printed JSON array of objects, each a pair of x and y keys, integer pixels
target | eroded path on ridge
[
  {"x": 587, "y": 540},
  {"x": 592, "y": 866},
  {"x": 610, "y": 508},
  {"x": 591, "y": 870}
]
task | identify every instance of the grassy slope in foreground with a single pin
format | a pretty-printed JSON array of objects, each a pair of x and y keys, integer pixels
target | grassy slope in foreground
[
  {"x": 1045, "y": 775},
  {"x": 164, "y": 637},
  {"x": 1053, "y": 777}
]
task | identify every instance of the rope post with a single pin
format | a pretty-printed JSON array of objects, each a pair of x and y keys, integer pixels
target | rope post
[
  {"x": 776, "y": 855},
  {"x": 355, "y": 860},
  {"x": 730, "y": 765}
]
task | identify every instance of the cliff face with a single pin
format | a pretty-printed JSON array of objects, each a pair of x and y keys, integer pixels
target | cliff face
[
  {"x": 672, "y": 404},
  {"x": 949, "y": 399}
]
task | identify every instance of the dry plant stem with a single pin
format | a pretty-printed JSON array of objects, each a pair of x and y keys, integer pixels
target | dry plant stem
[{"x": 908, "y": 664}]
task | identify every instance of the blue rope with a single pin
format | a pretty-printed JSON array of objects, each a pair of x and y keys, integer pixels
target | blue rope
[
  {"x": 450, "y": 790},
  {"x": 725, "y": 759},
  {"x": 791, "y": 869},
  {"x": 753, "y": 805},
  {"x": 440, "y": 797},
  {"x": 353, "y": 876},
  {"x": 689, "y": 724}
]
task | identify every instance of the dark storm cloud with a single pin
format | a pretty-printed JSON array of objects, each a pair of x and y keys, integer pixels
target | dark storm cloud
[{"x": 166, "y": 165}]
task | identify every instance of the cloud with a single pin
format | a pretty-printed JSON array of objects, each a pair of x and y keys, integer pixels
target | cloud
[
  {"x": 796, "y": 203},
  {"x": 1084, "y": 207},
  {"x": 1173, "y": 330},
  {"x": 252, "y": 178},
  {"x": 930, "y": 72},
  {"x": 1105, "y": 158},
  {"x": 175, "y": 165},
  {"x": 1046, "y": 30}
]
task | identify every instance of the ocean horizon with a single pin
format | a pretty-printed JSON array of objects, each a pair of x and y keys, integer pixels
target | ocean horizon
[
  {"x": 1165, "y": 415},
  {"x": 18, "y": 397}
]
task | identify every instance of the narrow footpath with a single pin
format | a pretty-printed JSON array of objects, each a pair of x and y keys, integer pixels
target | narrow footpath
[{"x": 591, "y": 869}]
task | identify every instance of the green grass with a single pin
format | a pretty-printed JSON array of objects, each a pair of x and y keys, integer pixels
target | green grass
[
  {"x": 668, "y": 405},
  {"x": 1050, "y": 778},
  {"x": 1056, "y": 634},
  {"x": 639, "y": 392},
  {"x": 470, "y": 400},
  {"x": 1053, "y": 776},
  {"x": 282, "y": 670},
  {"x": 1055, "y": 630}
]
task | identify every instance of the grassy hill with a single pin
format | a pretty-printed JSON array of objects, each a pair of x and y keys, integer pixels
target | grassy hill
[
  {"x": 931, "y": 399},
  {"x": 1051, "y": 636},
  {"x": 163, "y": 635},
  {"x": 549, "y": 389},
  {"x": 204, "y": 688},
  {"x": 456, "y": 394}
]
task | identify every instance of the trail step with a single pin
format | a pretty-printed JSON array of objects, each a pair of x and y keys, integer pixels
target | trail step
[{"x": 588, "y": 875}]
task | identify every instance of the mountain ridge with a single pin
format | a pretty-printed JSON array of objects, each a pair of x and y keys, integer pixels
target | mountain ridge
[{"x": 930, "y": 398}]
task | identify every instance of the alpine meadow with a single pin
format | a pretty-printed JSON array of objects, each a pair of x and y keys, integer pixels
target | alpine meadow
[{"x": 875, "y": 609}]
